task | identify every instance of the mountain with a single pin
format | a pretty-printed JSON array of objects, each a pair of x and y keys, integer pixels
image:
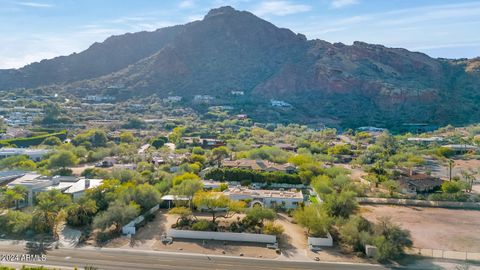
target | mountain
[
  {"x": 346, "y": 85},
  {"x": 115, "y": 53}
]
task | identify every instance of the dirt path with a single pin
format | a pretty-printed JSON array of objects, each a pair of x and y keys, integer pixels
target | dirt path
[{"x": 293, "y": 242}]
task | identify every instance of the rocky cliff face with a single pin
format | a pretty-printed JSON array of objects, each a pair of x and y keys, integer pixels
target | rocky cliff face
[{"x": 361, "y": 84}]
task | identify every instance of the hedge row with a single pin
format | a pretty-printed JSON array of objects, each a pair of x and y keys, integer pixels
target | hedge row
[
  {"x": 242, "y": 175},
  {"x": 32, "y": 141}
]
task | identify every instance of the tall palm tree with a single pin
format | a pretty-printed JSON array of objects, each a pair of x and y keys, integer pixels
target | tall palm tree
[
  {"x": 45, "y": 213},
  {"x": 10, "y": 197}
]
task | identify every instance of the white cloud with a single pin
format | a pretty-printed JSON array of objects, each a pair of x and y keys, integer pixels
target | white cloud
[
  {"x": 34, "y": 4},
  {"x": 343, "y": 3},
  {"x": 280, "y": 8},
  {"x": 187, "y": 4}
]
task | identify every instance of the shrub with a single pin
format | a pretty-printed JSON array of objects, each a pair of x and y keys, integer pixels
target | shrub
[
  {"x": 272, "y": 228},
  {"x": 204, "y": 225}
]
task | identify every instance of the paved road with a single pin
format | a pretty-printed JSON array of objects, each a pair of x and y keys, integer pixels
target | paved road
[{"x": 144, "y": 260}]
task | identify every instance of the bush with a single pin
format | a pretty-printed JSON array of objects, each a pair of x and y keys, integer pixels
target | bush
[
  {"x": 204, "y": 225},
  {"x": 272, "y": 228},
  {"x": 356, "y": 232}
]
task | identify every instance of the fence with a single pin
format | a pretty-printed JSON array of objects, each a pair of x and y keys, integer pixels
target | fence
[
  {"x": 130, "y": 228},
  {"x": 314, "y": 242},
  {"x": 445, "y": 254},
  {"x": 421, "y": 203},
  {"x": 223, "y": 236}
]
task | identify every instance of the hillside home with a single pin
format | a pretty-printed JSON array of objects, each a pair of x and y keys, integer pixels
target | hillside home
[
  {"x": 172, "y": 99},
  {"x": 280, "y": 103}
]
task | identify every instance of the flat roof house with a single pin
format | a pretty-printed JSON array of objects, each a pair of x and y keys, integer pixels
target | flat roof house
[
  {"x": 288, "y": 199},
  {"x": 33, "y": 154},
  {"x": 36, "y": 183}
]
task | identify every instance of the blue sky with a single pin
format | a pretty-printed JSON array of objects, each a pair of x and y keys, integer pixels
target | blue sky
[{"x": 31, "y": 30}]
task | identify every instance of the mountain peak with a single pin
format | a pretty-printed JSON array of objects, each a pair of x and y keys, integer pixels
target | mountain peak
[{"x": 221, "y": 11}]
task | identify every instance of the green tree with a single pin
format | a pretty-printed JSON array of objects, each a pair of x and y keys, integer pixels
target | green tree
[
  {"x": 356, "y": 232},
  {"x": 258, "y": 215},
  {"x": 183, "y": 213},
  {"x": 340, "y": 205},
  {"x": 62, "y": 159},
  {"x": 117, "y": 215},
  {"x": 218, "y": 154},
  {"x": 390, "y": 240},
  {"x": 147, "y": 196},
  {"x": 15, "y": 222},
  {"x": 452, "y": 187},
  {"x": 392, "y": 186},
  {"x": 127, "y": 137},
  {"x": 214, "y": 202},
  {"x": 159, "y": 141},
  {"x": 82, "y": 212},
  {"x": 316, "y": 221},
  {"x": 187, "y": 187},
  {"x": 272, "y": 228},
  {"x": 52, "y": 141},
  {"x": 10, "y": 197},
  {"x": 182, "y": 177},
  {"x": 176, "y": 135},
  {"x": 47, "y": 208}
]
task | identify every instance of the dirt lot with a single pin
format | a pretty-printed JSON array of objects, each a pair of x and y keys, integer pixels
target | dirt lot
[{"x": 434, "y": 228}]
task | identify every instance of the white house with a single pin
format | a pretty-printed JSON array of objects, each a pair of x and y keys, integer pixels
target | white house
[
  {"x": 202, "y": 98},
  {"x": 35, "y": 183},
  {"x": 280, "y": 103},
  {"x": 33, "y": 154},
  {"x": 172, "y": 99},
  {"x": 267, "y": 198}
]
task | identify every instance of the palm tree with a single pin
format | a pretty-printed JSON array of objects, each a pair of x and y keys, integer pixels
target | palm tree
[
  {"x": 23, "y": 193},
  {"x": 451, "y": 164},
  {"x": 45, "y": 214},
  {"x": 81, "y": 213},
  {"x": 10, "y": 197}
]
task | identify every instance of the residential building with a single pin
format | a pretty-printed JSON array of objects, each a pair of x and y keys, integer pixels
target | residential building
[
  {"x": 237, "y": 93},
  {"x": 280, "y": 103},
  {"x": 241, "y": 116},
  {"x": 259, "y": 165},
  {"x": 425, "y": 140},
  {"x": 287, "y": 199},
  {"x": 419, "y": 183},
  {"x": 33, "y": 154},
  {"x": 7, "y": 176},
  {"x": 462, "y": 148},
  {"x": 172, "y": 99},
  {"x": 99, "y": 98},
  {"x": 203, "y": 98},
  {"x": 35, "y": 183}
]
